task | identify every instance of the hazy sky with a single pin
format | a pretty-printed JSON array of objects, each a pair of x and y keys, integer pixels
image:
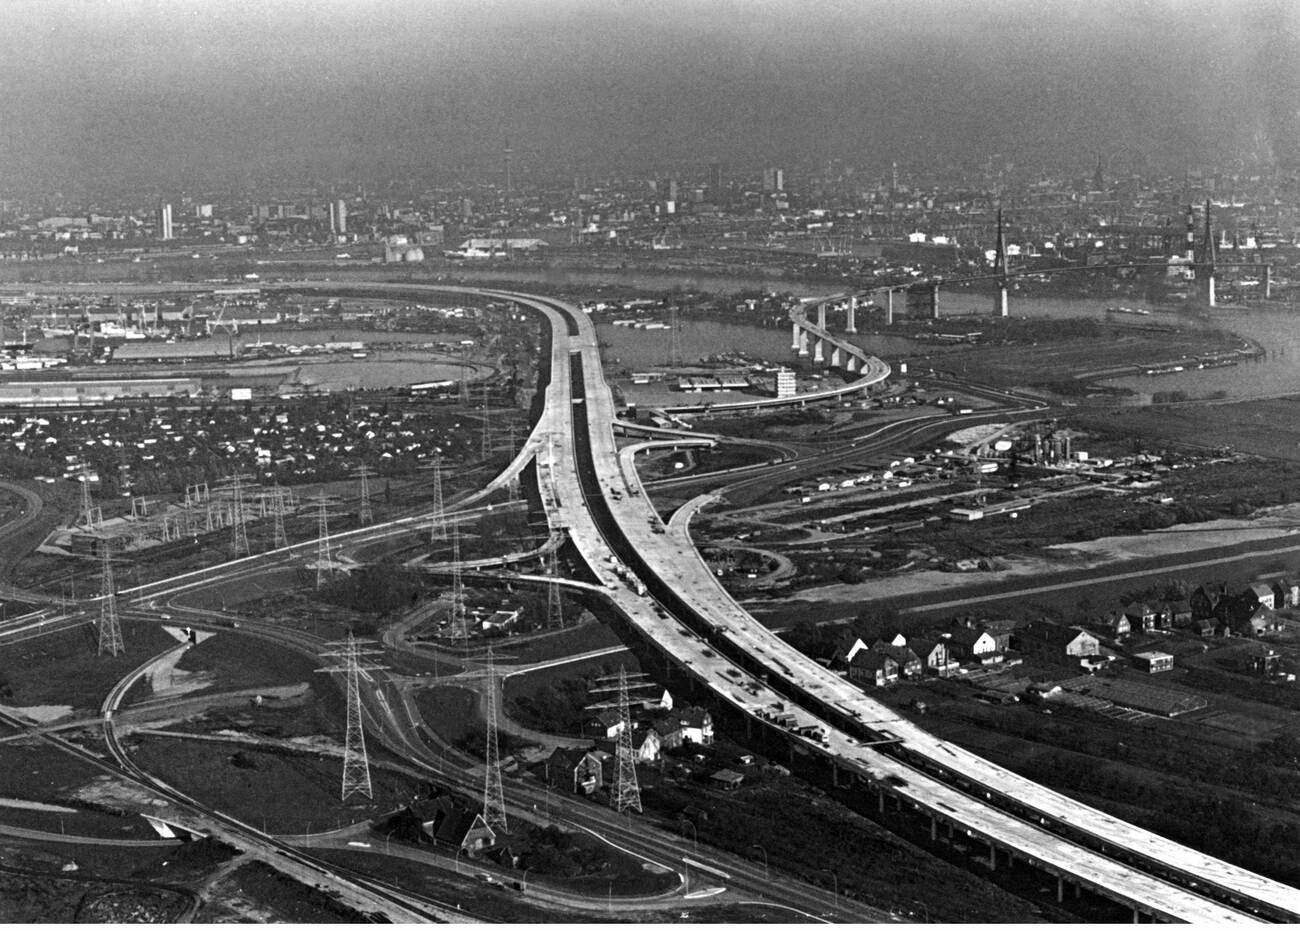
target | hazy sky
[{"x": 212, "y": 91}]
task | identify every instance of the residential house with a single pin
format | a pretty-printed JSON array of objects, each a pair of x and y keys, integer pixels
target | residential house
[
  {"x": 1002, "y": 631},
  {"x": 909, "y": 664},
  {"x": 1241, "y": 617},
  {"x": 1205, "y": 599},
  {"x": 1286, "y": 593},
  {"x": 605, "y": 723},
  {"x": 646, "y": 745},
  {"x": 873, "y": 667},
  {"x": 967, "y": 644},
  {"x": 848, "y": 647},
  {"x": 1112, "y": 624},
  {"x": 1261, "y": 593},
  {"x": 1261, "y": 660},
  {"x": 697, "y": 726},
  {"x": 933, "y": 653},
  {"x": 1054, "y": 641},
  {"x": 1141, "y": 617},
  {"x": 1177, "y": 613},
  {"x": 669, "y": 731},
  {"x": 1153, "y": 661},
  {"x": 578, "y": 771},
  {"x": 448, "y": 821}
]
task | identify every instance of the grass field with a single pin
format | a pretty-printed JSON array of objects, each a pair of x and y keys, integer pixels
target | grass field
[
  {"x": 1266, "y": 428},
  {"x": 257, "y": 893},
  {"x": 64, "y": 668},
  {"x": 286, "y": 792},
  {"x": 240, "y": 662},
  {"x": 450, "y": 712}
]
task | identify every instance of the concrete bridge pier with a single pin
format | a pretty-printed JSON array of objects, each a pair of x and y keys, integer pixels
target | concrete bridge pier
[
  {"x": 821, "y": 316},
  {"x": 934, "y": 302},
  {"x": 803, "y": 342},
  {"x": 852, "y": 363},
  {"x": 1000, "y": 307},
  {"x": 850, "y": 322},
  {"x": 889, "y": 307},
  {"x": 819, "y": 351},
  {"x": 1210, "y": 298},
  {"x": 794, "y": 337},
  {"x": 835, "y": 357},
  {"x": 1268, "y": 281}
]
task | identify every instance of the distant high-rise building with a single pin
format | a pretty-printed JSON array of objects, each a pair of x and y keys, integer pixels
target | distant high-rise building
[
  {"x": 203, "y": 211},
  {"x": 715, "y": 181},
  {"x": 786, "y": 385},
  {"x": 165, "y": 222},
  {"x": 773, "y": 180},
  {"x": 339, "y": 217}
]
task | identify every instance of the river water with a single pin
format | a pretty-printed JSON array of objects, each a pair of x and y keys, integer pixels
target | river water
[{"x": 1274, "y": 328}]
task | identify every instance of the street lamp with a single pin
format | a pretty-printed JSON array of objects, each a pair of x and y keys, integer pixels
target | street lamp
[
  {"x": 767, "y": 874},
  {"x": 388, "y": 846},
  {"x": 695, "y": 835},
  {"x": 456, "y": 859},
  {"x": 835, "y": 879}
]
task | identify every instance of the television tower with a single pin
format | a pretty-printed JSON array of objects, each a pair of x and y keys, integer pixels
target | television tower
[
  {"x": 365, "y": 514},
  {"x": 554, "y": 606},
  {"x": 354, "y": 656},
  {"x": 494, "y": 802},
  {"x": 627, "y": 792},
  {"x": 110, "y": 627}
]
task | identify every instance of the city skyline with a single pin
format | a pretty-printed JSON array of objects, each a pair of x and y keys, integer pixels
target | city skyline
[{"x": 140, "y": 93}]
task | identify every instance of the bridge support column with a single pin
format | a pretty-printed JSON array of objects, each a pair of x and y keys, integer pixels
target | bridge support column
[
  {"x": 1060, "y": 889},
  {"x": 819, "y": 351},
  {"x": 993, "y": 857},
  {"x": 1210, "y": 297},
  {"x": 934, "y": 302},
  {"x": 850, "y": 322},
  {"x": 1268, "y": 281},
  {"x": 882, "y": 801},
  {"x": 950, "y": 829},
  {"x": 835, "y": 776},
  {"x": 1000, "y": 308},
  {"x": 803, "y": 342},
  {"x": 889, "y": 307},
  {"x": 1137, "y": 916},
  {"x": 934, "y": 829},
  {"x": 852, "y": 364},
  {"x": 821, "y": 316},
  {"x": 835, "y": 357},
  {"x": 794, "y": 337}
]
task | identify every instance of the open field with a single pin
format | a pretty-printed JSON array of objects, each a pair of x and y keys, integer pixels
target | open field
[
  {"x": 64, "y": 668},
  {"x": 233, "y": 661},
  {"x": 286, "y": 792},
  {"x": 1265, "y": 428},
  {"x": 257, "y": 893}
]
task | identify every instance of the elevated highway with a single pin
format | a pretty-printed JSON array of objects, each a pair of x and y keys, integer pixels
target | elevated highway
[{"x": 696, "y": 622}]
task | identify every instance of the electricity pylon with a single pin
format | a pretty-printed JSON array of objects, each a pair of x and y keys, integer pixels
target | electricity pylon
[
  {"x": 438, "y": 528},
  {"x": 324, "y": 565},
  {"x": 554, "y": 606},
  {"x": 240, "y": 543},
  {"x": 110, "y": 627},
  {"x": 280, "y": 538},
  {"x": 365, "y": 514},
  {"x": 458, "y": 628},
  {"x": 87, "y": 516},
  {"x": 356, "y": 762},
  {"x": 627, "y": 792},
  {"x": 494, "y": 802}
]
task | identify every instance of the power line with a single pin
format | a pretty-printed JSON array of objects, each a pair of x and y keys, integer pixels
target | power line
[{"x": 458, "y": 627}]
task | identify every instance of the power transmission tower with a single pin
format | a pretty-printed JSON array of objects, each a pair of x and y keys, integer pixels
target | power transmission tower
[
  {"x": 464, "y": 378},
  {"x": 365, "y": 514},
  {"x": 87, "y": 515},
  {"x": 486, "y": 441},
  {"x": 281, "y": 539},
  {"x": 438, "y": 528},
  {"x": 627, "y": 792},
  {"x": 238, "y": 521},
  {"x": 458, "y": 628},
  {"x": 356, "y": 762},
  {"x": 554, "y": 606},
  {"x": 110, "y": 627},
  {"x": 324, "y": 565},
  {"x": 494, "y": 802}
]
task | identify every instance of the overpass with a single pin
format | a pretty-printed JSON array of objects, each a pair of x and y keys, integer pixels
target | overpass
[{"x": 693, "y": 620}]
